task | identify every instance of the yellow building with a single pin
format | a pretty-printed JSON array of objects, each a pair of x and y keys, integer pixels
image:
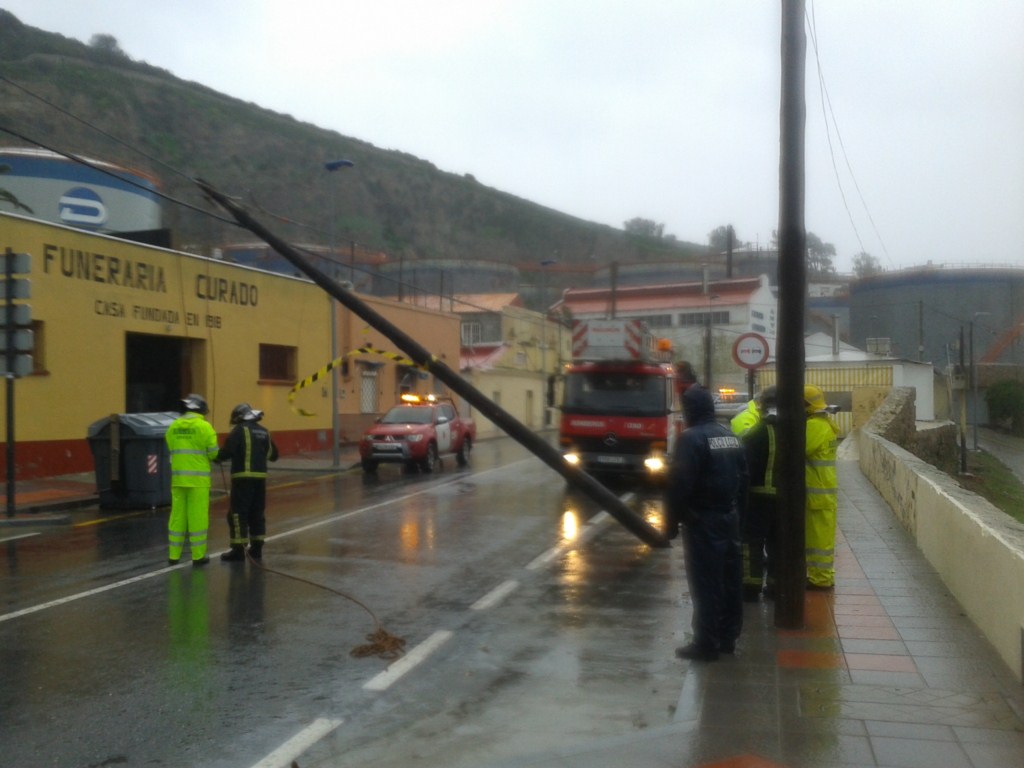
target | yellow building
[{"x": 125, "y": 328}]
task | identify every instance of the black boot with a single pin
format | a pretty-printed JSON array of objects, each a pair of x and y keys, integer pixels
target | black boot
[
  {"x": 234, "y": 555},
  {"x": 256, "y": 551}
]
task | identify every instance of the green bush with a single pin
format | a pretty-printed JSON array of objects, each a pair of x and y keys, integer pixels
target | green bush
[{"x": 1005, "y": 400}]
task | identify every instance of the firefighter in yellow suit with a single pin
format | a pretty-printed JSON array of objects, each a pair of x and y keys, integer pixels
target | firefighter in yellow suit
[
  {"x": 822, "y": 491},
  {"x": 192, "y": 443}
]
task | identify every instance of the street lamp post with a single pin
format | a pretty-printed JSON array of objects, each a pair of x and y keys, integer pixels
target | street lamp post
[
  {"x": 708, "y": 351},
  {"x": 974, "y": 380},
  {"x": 330, "y": 167}
]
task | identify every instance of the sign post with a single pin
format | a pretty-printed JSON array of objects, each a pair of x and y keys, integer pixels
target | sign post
[
  {"x": 750, "y": 351},
  {"x": 17, "y": 344}
]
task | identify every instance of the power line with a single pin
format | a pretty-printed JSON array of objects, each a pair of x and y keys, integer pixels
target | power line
[{"x": 826, "y": 101}]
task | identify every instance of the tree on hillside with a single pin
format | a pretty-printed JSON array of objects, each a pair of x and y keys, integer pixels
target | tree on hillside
[
  {"x": 644, "y": 228},
  {"x": 108, "y": 45},
  {"x": 865, "y": 265},
  {"x": 820, "y": 256},
  {"x": 718, "y": 238}
]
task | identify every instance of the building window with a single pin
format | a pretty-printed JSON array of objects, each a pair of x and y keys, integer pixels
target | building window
[
  {"x": 658, "y": 321},
  {"x": 277, "y": 363},
  {"x": 701, "y": 318},
  {"x": 471, "y": 333}
]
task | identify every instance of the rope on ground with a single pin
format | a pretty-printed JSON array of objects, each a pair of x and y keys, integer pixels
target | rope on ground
[{"x": 381, "y": 643}]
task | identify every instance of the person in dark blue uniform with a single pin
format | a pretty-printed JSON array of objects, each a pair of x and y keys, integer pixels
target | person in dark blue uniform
[
  {"x": 706, "y": 495},
  {"x": 249, "y": 447}
]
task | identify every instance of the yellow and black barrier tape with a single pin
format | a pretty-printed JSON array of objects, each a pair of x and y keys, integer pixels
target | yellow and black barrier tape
[{"x": 367, "y": 350}]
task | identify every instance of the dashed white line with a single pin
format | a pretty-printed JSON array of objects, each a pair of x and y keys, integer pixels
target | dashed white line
[
  {"x": 416, "y": 656},
  {"x": 495, "y": 596},
  {"x": 19, "y": 536},
  {"x": 80, "y": 595},
  {"x": 299, "y": 743}
]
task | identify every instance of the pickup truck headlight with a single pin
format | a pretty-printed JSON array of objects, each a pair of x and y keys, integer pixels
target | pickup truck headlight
[{"x": 414, "y": 438}]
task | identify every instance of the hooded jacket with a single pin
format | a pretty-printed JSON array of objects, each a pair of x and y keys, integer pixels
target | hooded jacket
[{"x": 708, "y": 477}]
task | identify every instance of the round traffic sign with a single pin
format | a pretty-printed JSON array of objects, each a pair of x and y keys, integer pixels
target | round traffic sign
[{"x": 750, "y": 350}]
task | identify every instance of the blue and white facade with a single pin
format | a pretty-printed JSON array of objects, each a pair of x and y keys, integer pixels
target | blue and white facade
[{"x": 98, "y": 196}]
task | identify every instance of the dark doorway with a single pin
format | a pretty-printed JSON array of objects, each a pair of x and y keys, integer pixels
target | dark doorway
[{"x": 153, "y": 373}]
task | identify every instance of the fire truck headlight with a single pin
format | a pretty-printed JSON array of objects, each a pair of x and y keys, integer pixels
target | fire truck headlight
[
  {"x": 572, "y": 458},
  {"x": 414, "y": 438},
  {"x": 655, "y": 463}
]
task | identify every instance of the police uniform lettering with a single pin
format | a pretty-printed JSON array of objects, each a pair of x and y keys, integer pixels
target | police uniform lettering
[{"x": 723, "y": 443}]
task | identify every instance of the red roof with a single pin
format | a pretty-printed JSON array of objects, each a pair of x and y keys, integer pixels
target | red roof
[{"x": 655, "y": 297}]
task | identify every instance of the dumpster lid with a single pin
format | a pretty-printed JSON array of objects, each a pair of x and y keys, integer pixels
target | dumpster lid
[{"x": 142, "y": 424}]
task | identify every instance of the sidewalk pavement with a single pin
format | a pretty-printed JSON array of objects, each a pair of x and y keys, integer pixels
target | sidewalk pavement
[
  {"x": 887, "y": 672},
  {"x": 49, "y": 500}
]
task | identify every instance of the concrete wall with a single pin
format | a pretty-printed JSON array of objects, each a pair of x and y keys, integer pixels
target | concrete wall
[{"x": 977, "y": 549}]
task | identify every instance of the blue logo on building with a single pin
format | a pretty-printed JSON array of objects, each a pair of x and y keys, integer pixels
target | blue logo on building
[{"x": 82, "y": 207}]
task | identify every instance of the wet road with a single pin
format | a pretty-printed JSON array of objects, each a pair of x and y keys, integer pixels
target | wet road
[{"x": 528, "y": 617}]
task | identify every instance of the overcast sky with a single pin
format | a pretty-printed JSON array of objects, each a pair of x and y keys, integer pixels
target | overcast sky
[{"x": 663, "y": 109}]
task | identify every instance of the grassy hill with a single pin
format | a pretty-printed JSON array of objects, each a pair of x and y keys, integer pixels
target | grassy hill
[{"x": 105, "y": 105}]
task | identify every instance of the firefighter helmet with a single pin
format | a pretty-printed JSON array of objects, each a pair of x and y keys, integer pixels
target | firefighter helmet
[
  {"x": 240, "y": 412},
  {"x": 814, "y": 400},
  {"x": 196, "y": 403}
]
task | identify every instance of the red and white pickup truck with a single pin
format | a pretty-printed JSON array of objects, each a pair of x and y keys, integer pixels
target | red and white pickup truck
[{"x": 418, "y": 433}]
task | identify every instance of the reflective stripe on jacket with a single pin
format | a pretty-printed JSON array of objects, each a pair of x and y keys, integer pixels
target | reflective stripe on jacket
[
  {"x": 822, "y": 483},
  {"x": 250, "y": 447},
  {"x": 192, "y": 443}
]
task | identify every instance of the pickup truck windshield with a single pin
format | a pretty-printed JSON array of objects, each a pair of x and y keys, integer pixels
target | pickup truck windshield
[
  {"x": 629, "y": 394},
  {"x": 408, "y": 415}
]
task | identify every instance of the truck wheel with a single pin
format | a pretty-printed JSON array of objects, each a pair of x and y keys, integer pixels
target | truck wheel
[
  {"x": 369, "y": 466},
  {"x": 462, "y": 457},
  {"x": 431, "y": 460}
]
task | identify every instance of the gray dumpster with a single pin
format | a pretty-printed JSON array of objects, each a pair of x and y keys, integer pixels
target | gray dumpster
[{"x": 133, "y": 468}]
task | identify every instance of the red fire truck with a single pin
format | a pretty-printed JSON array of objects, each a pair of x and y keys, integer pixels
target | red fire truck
[{"x": 620, "y": 409}]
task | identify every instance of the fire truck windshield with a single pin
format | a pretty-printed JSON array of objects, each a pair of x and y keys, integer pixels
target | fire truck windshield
[{"x": 617, "y": 392}]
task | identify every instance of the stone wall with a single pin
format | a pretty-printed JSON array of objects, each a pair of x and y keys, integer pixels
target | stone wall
[
  {"x": 935, "y": 443},
  {"x": 977, "y": 550}
]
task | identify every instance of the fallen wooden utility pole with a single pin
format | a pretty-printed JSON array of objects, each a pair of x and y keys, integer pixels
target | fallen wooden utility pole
[{"x": 419, "y": 355}]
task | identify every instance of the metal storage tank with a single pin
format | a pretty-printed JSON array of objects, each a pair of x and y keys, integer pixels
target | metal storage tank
[
  {"x": 922, "y": 311},
  {"x": 430, "y": 276},
  {"x": 99, "y": 197}
]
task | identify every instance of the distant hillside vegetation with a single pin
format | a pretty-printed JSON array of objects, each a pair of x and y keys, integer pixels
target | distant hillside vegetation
[{"x": 391, "y": 201}]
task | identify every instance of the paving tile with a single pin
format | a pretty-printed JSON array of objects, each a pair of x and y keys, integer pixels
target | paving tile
[
  {"x": 880, "y": 662},
  {"x": 884, "y": 631},
  {"x": 860, "y": 610},
  {"x": 872, "y": 677},
  {"x": 864, "y": 621},
  {"x": 911, "y": 730},
  {"x": 874, "y": 646},
  {"x": 809, "y": 660},
  {"x": 918, "y": 753},
  {"x": 945, "y": 649}
]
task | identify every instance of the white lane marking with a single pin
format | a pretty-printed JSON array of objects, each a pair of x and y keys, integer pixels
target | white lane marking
[
  {"x": 588, "y": 531},
  {"x": 544, "y": 558},
  {"x": 299, "y": 743},
  {"x": 151, "y": 574},
  {"x": 417, "y": 655},
  {"x": 19, "y": 536},
  {"x": 90, "y": 593},
  {"x": 495, "y": 596}
]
